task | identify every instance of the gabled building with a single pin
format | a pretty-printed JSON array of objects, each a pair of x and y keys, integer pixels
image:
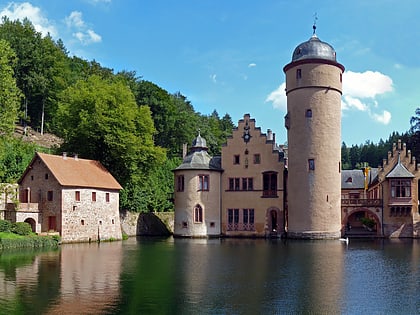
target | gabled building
[
  {"x": 75, "y": 197},
  {"x": 238, "y": 194}
]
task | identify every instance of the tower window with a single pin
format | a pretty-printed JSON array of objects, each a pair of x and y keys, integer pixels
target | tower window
[
  {"x": 298, "y": 73},
  {"x": 236, "y": 159},
  {"x": 287, "y": 121},
  {"x": 308, "y": 113},
  {"x": 203, "y": 182},
  {"x": 341, "y": 77},
  {"x": 198, "y": 214},
  {"x": 311, "y": 164},
  {"x": 180, "y": 183}
]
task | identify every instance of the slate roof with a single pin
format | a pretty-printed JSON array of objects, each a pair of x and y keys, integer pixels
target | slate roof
[
  {"x": 76, "y": 172},
  {"x": 357, "y": 178},
  {"x": 352, "y": 179},
  {"x": 399, "y": 171}
]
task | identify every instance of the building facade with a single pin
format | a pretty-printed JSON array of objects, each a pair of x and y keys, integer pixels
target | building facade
[
  {"x": 238, "y": 194},
  {"x": 76, "y": 198}
]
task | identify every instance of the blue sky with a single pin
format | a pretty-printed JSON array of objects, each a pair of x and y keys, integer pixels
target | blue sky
[{"x": 229, "y": 55}]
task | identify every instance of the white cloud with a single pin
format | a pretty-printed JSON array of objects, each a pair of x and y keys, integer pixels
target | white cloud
[
  {"x": 213, "y": 78},
  {"x": 350, "y": 102},
  {"x": 75, "y": 20},
  {"x": 278, "y": 97},
  {"x": 383, "y": 118},
  {"x": 251, "y": 65},
  {"x": 360, "y": 90},
  {"x": 85, "y": 35},
  {"x": 366, "y": 85},
  {"x": 20, "y": 11}
]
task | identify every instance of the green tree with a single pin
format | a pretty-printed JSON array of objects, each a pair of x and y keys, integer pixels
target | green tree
[
  {"x": 9, "y": 92},
  {"x": 100, "y": 120}
]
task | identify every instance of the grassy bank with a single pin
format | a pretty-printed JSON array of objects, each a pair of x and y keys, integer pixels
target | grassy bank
[{"x": 12, "y": 240}]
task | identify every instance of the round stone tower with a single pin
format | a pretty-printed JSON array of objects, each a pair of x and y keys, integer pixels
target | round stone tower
[{"x": 313, "y": 121}]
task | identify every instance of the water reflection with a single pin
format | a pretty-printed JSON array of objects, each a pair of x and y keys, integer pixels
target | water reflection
[{"x": 229, "y": 276}]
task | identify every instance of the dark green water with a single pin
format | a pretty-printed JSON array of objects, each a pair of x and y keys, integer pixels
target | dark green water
[{"x": 231, "y": 276}]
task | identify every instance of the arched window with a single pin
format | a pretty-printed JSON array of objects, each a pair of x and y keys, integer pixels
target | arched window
[{"x": 198, "y": 214}]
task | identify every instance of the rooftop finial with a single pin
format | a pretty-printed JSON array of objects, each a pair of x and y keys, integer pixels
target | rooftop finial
[{"x": 314, "y": 26}]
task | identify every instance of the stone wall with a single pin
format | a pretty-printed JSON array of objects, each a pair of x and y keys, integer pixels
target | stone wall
[{"x": 151, "y": 224}]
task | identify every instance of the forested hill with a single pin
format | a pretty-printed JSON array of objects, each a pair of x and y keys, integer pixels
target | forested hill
[{"x": 135, "y": 128}]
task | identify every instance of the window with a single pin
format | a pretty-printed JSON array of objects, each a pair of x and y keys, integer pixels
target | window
[
  {"x": 113, "y": 221},
  {"x": 93, "y": 196},
  {"x": 50, "y": 195},
  {"x": 77, "y": 195},
  {"x": 184, "y": 224},
  {"x": 298, "y": 73},
  {"x": 180, "y": 183},
  {"x": 32, "y": 177},
  {"x": 308, "y": 113},
  {"x": 203, "y": 182},
  {"x": 248, "y": 219},
  {"x": 311, "y": 164},
  {"x": 233, "y": 220},
  {"x": 287, "y": 121},
  {"x": 247, "y": 183},
  {"x": 46, "y": 175},
  {"x": 400, "y": 188},
  {"x": 107, "y": 197},
  {"x": 236, "y": 159},
  {"x": 270, "y": 184},
  {"x": 198, "y": 214},
  {"x": 212, "y": 224},
  {"x": 237, "y": 184},
  {"x": 82, "y": 222},
  {"x": 257, "y": 158}
]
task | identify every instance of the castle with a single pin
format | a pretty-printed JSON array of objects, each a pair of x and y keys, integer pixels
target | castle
[{"x": 259, "y": 189}]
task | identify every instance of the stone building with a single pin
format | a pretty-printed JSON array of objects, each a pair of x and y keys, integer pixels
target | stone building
[
  {"x": 75, "y": 197},
  {"x": 237, "y": 194}
]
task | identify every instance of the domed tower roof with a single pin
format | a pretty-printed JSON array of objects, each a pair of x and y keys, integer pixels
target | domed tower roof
[
  {"x": 198, "y": 158},
  {"x": 199, "y": 143},
  {"x": 314, "y": 48}
]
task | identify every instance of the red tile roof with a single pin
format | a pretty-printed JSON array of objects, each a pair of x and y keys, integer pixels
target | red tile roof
[{"x": 70, "y": 171}]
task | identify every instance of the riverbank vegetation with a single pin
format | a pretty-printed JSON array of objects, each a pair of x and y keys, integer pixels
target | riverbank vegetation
[
  {"x": 19, "y": 234},
  {"x": 135, "y": 128}
]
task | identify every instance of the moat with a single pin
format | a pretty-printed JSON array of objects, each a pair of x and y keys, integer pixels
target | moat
[{"x": 214, "y": 276}]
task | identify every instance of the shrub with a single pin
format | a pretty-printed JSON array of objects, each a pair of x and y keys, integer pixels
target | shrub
[
  {"x": 5, "y": 226},
  {"x": 21, "y": 228}
]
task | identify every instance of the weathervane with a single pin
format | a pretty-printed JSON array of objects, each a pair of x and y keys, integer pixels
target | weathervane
[{"x": 315, "y": 19}]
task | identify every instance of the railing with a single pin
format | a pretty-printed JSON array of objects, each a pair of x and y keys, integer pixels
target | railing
[
  {"x": 23, "y": 207},
  {"x": 353, "y": 202}
]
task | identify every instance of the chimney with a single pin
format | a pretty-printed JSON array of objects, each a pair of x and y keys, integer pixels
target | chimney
[
  {"x": 184, "y": 150},
  {"x": 269, "y": 134},
  {"x": 76, "y": 157},
  {"x": 64, "y": 155}
]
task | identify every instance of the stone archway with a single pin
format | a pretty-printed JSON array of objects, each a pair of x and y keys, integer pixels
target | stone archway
[
  {"x": 32, "y": 223},
  {"x": 362, "y": 222}
]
